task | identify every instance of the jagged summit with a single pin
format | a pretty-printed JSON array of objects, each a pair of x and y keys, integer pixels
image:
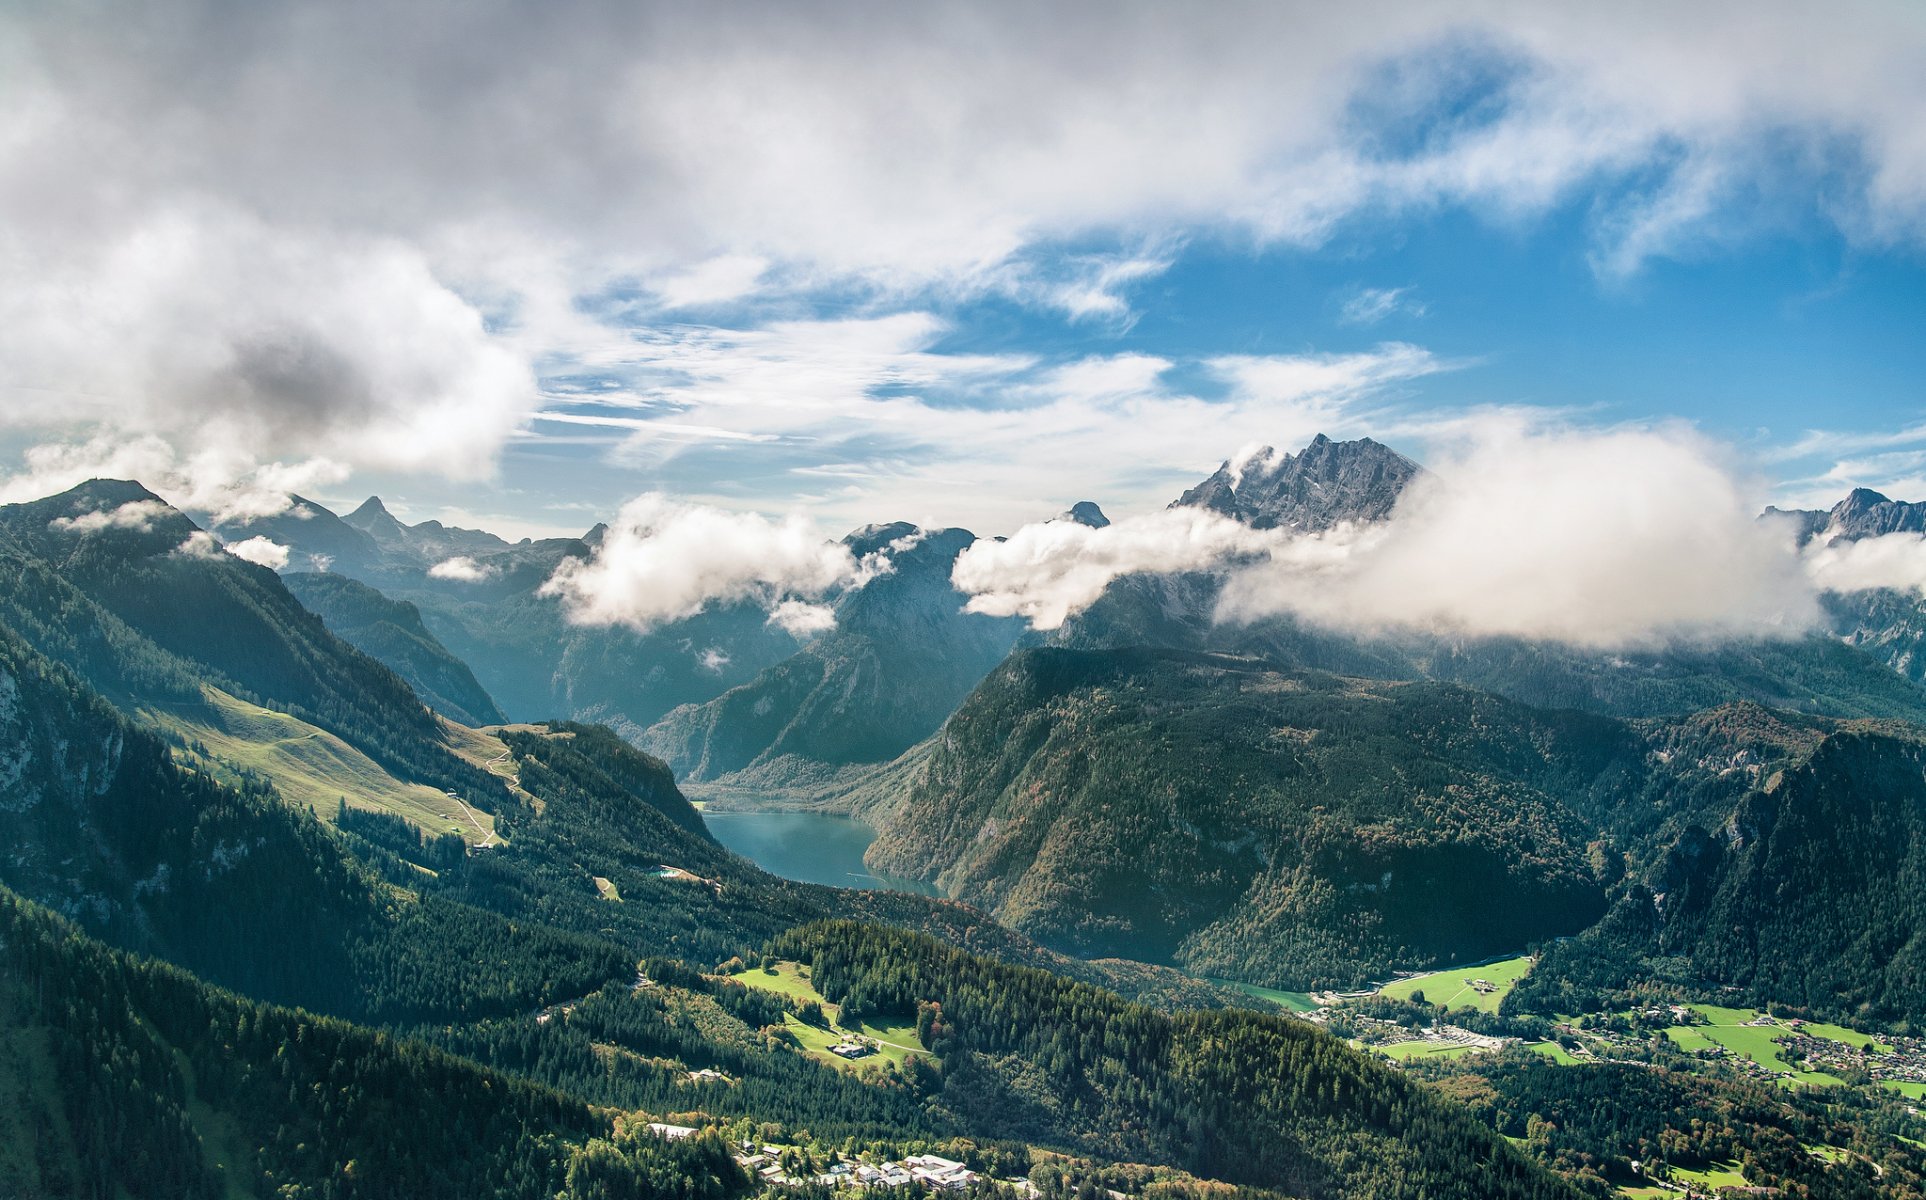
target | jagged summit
[
  {"x": 374, "y": 519},
  {"x": 1086, "y": 512},
  {"x": 1866, "y": 513},
  {"x": 1325, "y": 483}
]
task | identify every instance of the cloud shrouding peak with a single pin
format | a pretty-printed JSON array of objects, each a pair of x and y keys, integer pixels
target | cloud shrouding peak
[
  {"x": 1596, "y": 538},
  {"x": 661, "y": 561},
  {"x": 261, "y": 551}
]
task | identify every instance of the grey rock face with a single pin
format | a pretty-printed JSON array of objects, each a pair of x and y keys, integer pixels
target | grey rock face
[{"x": 1320, "y": 486}]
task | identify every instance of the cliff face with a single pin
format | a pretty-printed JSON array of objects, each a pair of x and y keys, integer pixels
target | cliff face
[{"x": 1325, "y": 483}]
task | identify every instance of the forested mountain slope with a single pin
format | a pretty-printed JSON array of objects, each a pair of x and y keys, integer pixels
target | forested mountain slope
[
  {"x": 1283, "y": 827},
  {"x": 1808, "y": 888},
  {"x": 181, "y": 611},
  {"x": 122, "y": 1076}
]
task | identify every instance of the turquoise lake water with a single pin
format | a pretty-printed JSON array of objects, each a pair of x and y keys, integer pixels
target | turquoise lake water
[{"x": 807, "y": 847}]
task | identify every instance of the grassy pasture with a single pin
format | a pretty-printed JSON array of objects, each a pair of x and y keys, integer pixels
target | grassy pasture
[
  {"x": 895, "y": 1038},
  {"x": 310, "y": 766},
  {"x": 1452, "y": 989},
  {"x": 1727, "y": 1027},
  {"x": 1290, "y": 1001}
]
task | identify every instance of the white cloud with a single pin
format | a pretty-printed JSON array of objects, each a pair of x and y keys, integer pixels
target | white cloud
[
  {"x": 800, "y": 618},
  {"x": 135, "y": 514},
  {"x": 987, "y": 441},
  {"x": 1892, "y": 560},
  {"x": 1047, "y": 571},
  {"x": 662, "y": 560},
  {"x": 713, "y": 659},
  {"x": 261, "y": 552},
  {"x": 201, "y": 544},
  {"x": 1597, "y": 538},
  {"x": 723, "y": 278},
  {"x": 461, "y": 569},
  {"x": 1593, "y": 538},
  {"x": 1368, "y": 306}
]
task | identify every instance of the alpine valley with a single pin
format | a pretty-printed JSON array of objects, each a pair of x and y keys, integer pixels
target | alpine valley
[{"x": 371, "y": 876}]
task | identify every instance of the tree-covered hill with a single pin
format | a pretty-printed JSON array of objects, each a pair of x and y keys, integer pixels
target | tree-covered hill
[
  {"x": 125, "y": 1076},
  {"x": 1231, "y": 1095},
  {"x": 1282, "y": 827}
]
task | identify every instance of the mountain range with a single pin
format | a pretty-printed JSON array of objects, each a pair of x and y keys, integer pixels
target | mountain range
[{"x": 393, "y": 789}]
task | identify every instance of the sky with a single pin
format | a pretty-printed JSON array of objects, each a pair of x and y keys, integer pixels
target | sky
[{"x": 522, "y": 266}]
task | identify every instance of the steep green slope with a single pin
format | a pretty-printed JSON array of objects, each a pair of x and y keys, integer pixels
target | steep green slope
[
  {"x": 116, "y": 549},
  {"x": 1807, "y": 889},
  {"x": 135, "y": 1078},
  {"x": 391, "y": 631},
  {"x": 1280, "y": 827}
]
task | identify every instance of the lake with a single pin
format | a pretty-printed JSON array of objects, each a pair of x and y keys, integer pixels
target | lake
[{"x": 807, "y": 847}]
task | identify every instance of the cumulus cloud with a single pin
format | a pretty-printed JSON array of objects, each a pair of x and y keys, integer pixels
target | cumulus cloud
[
  {"x": 1596, "y": 538},
  {"x": 800, "y": 618},
  {"x": 202, "y": 545},
  {"x": 1045, "y": 572},
  {"x": 135, "y": 514},
  {"x": 1892, "y": 560},
  {"x": 1593, "y": 538},
  {"x": 461, "y": 569},
  {"x": 661, "y": 561},
  {"x": 260, "y": 551}
]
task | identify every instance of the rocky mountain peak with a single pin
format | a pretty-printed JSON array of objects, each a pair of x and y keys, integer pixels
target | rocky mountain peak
[
  {"x": 1320, "y": 486},
  {"x": 1866, "y": 513},
  {"x": 374, "y": 519},
  {"x": 1086, "y": 512}
]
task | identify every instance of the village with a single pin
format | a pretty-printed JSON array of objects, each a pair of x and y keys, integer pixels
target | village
[{"x": 791, "y": 1166}]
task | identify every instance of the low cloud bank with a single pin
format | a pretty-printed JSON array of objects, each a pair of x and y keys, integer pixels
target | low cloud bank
[
  {"x": 662, "y": 561},
  {"x": 1600, "y": 539},
  {"x": 1045, "y": 572},
  {"x": 261, "y": 552},
  {"x": 461, "y": 569}
]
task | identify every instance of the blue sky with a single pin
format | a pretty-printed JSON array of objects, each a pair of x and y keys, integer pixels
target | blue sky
[{"x": 957, "y": 266}]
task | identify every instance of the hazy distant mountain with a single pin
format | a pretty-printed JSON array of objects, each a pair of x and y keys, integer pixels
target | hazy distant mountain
[
  {"x": 901, "y": 656},
  {"x": 519, "y": 645},
  {"x": 429, "y": 542},
  {"x": 391, "y": 630},
  {"x": 1325, "y": 483}
]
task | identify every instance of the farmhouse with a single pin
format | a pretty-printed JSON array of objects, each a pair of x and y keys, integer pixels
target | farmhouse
[{"x": 852, "y": 1050}]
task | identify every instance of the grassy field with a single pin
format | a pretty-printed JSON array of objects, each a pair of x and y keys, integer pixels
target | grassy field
[
  {"x": 1293, "y": 1001},
  {"x": 1555, "y": 1052},
  {"x": 1718, "y": 1175},
  {"x": 1912, "y": 1091},
  {"x": 310, "y": 766},
  {"x": 1727, "y": 1027},
  {"x": 1452, "y": 989},
  {"x": 1405, "y": 1051},
  {"x": 896, "y": 1039}
]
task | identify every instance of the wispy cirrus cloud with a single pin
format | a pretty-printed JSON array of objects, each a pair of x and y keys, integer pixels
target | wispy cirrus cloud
[{"x": 875, "y": 415}]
